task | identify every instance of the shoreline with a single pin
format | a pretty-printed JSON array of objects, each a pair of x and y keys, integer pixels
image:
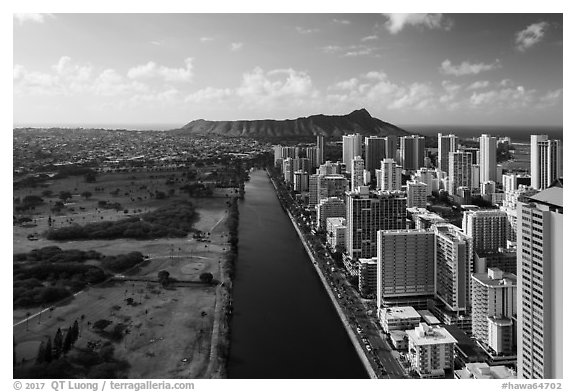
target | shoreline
[{"x": 337, "y": 307}]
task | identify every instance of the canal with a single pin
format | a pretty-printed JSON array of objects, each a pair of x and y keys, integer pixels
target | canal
[{"x": 284, "y": 324}]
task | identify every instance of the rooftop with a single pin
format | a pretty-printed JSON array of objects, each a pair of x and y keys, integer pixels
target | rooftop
[
  {"x": 503, "y": 279},
  {"x": 425, "y": 335},
  {"x": 401, "y": 312},
  {"x": 551, "y": 196}
]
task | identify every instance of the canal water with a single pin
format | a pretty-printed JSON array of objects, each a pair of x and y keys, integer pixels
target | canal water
[{"x": 283, "y": 324}]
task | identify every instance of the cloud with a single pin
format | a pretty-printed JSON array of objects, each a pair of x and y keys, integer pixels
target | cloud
[
  {"x": 302, "y": 30},
  {"x": 551, "y": 98},
  {"x": 206, "y": 39},
  {"x": 332, "y": 49},
  {"x": 396, "y": 22},
  {"x": 341, "y": 21},
  {"x": 210, "y": 94},
  {"x": 466, "y": 68},
  {"x": 530, "y": 36},
  {"x": 278, "y": 89},
  {"x": 151, "y": 70},
  {"x": 236, "y": 46},
  {"x": 351, "y": 50},
  {"x": 36, "y": 18},
  {"x": 67, "y": 77},
  {"x": 369, "y": 38},
  {"x": 479, "y": 84},
  {"x": 377, "y": 90}
]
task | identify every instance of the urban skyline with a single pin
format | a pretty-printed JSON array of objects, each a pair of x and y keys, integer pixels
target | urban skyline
[{"x": 326, "y": 247}]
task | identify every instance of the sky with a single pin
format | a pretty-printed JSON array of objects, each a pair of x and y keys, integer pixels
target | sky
[{"x": 426, "y": 69}]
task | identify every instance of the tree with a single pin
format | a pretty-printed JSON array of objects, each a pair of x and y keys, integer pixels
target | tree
[
  {"x": 65, "y": 195},
  {"x": 41, "y": 356},
  {"x": 90, "y": 176},
  {"x": 75, "y": 331},
  {"x": 164, "y": 278},
  {"x": 48, "y": 352},
  {"x": 58, "y": 341},
  {"x": 86, "y": 195},
  {"x": 32, "y": 200},
  {"x": 206, "y": 277},
  {"x": 67, "y": 345}
]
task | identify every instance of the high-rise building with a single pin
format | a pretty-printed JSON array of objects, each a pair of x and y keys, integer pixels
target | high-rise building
[
  {"x": 320, "y": 147},
  {"x": 475, "y": 153},
  {"x": 357, "y": 173},
  {"x": 459, "y": 170},
  {"x": 416, "y": 194},
  {"x": 313, "y": 181},
  {"x": 446, "y": 145},
  {"x": 487, "y": 228},
  {"x": 475, "y": 178},
  {"x": 405, "y": 267},
  {"x": 336, "y": 233},
  {"x": 312, "y": 155},
  {"x": 510, "y": 204},
  {"x": 391, "y": 146},
  {"x": 390, "y": 175},
  {"x": 429, "y": 177},
  {"x": 288, "y": 169},
  {"x": 300, "y": 181},
  {"x": 330, "y": 167},
  {"x": 375, "y": 151},
  {"x": 367, "y": 276},
  {"x": 332, "y": 207},
  {"x": 431, "y": 350},
  {"x": 366, "y": 213},
  {"x": 540, "y": 283},
  {"x": 412, "y": 152},
  {"x": 453, "y": 267},
  {"x": 351, "y": 147},
  {"x": 494, "y": 309},
  {"x": 487, "y": 188},
  {"x": 487, "y": 158},
  {"x": 545, "y": 161},
  {"x": 332, "y": 185}
]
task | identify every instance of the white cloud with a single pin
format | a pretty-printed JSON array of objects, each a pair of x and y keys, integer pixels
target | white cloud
[
  {"x": 303, "y": 30},
  {"x": 479, "y": 84},
  {"x": 530, "y": 36},
  {"x": 36, "y": 18},
  {"x": 351, "y": 50},
  {"x": 33, "y": 82},
  {"x": 151, "y": 70},
  {"x": 206, "y": 39},
  {"x": 377, "y": 90},
  {"x": 551, "y": 98},
  {"x": 341, "y": 21},
  {"x": 506, "y": 98},
  {"x": 277, "y": 89},
  {"x": 332, "y": 49},
  {"x": 466, "y": 68},
  {"x": 369, "y": 38},
  {"x": 236, "y": 46},
  {"x": 396, "y": 22},
  {"x": 210, "y": 94}
]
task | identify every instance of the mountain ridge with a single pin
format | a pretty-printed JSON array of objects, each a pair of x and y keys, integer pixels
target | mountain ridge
[{"x": 357, "y": 121}]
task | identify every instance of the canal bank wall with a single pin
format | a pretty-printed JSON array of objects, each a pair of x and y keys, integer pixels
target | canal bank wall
[{"x": 359, "y": 350}]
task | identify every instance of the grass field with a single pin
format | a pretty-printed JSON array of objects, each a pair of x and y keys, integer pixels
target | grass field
[{"x": 170, "y": 329}]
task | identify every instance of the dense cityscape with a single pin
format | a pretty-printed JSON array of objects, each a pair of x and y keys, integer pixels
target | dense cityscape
[{"x": 299, "y": 196}]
